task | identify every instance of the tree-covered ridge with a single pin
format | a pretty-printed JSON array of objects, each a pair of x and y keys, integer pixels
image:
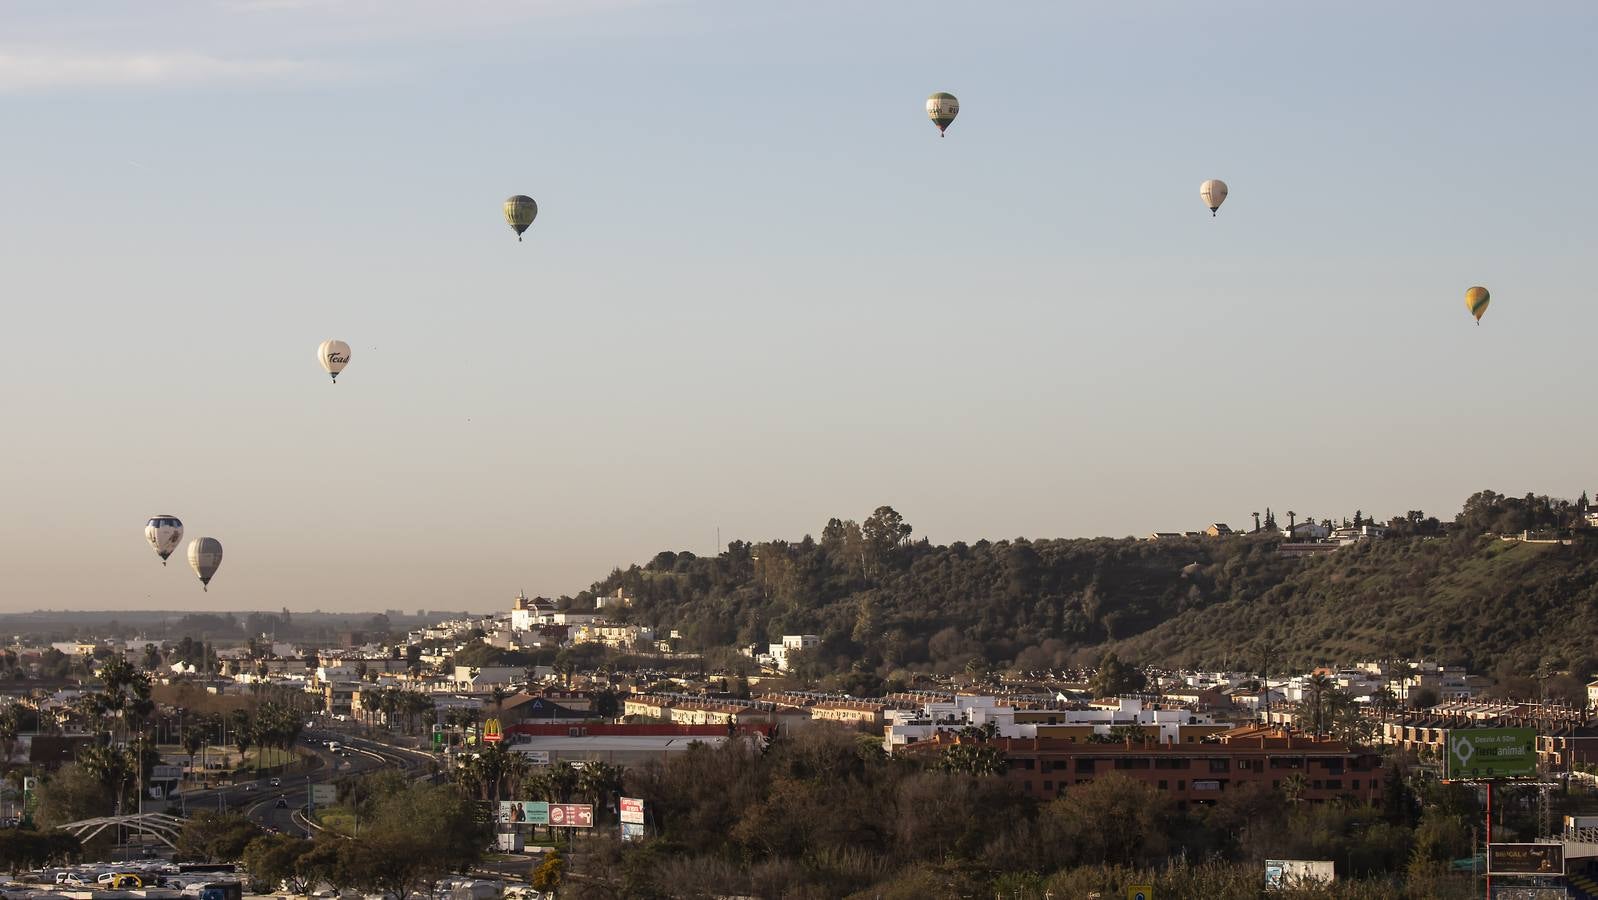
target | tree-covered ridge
[
  {"x": 1485, "y": 603},
  {"x": 883, "y": 602}
]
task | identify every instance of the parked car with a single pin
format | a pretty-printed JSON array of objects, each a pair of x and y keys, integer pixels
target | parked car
[{"x": 71, "y": 878}]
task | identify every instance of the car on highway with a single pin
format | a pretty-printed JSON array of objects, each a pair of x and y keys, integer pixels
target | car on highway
[
  {"x": 282, "y": 803},
  {"x": 276, "y": 782},
  {"x": 250, "y": 785}
]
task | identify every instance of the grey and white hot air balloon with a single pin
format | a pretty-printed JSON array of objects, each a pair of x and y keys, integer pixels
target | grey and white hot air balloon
[
  {"x": 1214, "y": 194},
  {"x": 205, "y": 556},
  {"x": 335, "y": 355},
  {"x": 164, "y": 533}
]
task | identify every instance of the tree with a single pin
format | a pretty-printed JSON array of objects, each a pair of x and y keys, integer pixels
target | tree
[
  {"x": 72, "y": 794},
  {"x": 973, "y": 759},
  {"x": 217, "y": 837},
  {"x": 1110, "y": 820},
  {"x": 547, "y": 874},
  {"x": 274, "y": 860},
  {"x": 1318, "y": 686},
  {"x": 1114, "y": 677},
  {"x": 417, "y": 834}
]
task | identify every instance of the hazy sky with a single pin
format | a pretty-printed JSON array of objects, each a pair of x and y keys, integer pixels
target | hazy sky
[{"x": 761, "y": 291}]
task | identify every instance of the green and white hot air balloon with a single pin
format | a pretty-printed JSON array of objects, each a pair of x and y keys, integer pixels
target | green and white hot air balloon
[
  {"x": 520, "y": 211},
  {"x": 942, "y": 107}
]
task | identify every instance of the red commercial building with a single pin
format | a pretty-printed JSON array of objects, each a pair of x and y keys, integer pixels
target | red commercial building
[{"x": 1192, "y": 773}]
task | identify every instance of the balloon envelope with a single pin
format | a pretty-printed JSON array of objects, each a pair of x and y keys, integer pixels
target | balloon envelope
[
  {"x": 520, "y": 211},
  {"x": 1476, "y": 300},
  {"x": 164, "y": 534},
  {"x": 335, "y": 355},
  {"x": 942, "y": 107},
  {"x": 1214, "y": 194},
  {"x": 205, "y": 555}
]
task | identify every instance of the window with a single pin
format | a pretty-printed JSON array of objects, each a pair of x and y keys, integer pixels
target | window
[
  {"x": 1048, "y": 784},
  {"x": 1044, "y": 765},
  {"x": 1028, "y": 763},
  {"x": 1335, "y": 784},
  {"x": 1084, "y": 764},
  {"x": 1164, "y": 785},
  {"x": 1181, "y": 785},
  {"x": 1220, "y": 765},
  {"x": 1356, "y": 784},
  {"x": 1027, "y": 786}
]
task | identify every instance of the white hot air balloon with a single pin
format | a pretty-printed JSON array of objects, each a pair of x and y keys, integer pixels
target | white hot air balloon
[
  {"x": 1214, "y": 194},
  {"x": 164, "y": 533},
  {"x": 335, "y": 355},
  {"x": 205, "y": 556}
]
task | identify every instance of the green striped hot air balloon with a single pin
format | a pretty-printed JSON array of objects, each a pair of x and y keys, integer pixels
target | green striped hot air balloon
[
  {"x": 1476, "y": 300},
  {"x": 520, "y": 211},
  {"x": 942, "y": 107}
]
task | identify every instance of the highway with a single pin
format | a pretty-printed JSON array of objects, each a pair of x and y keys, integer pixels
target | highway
[{"x": 260, "y": 805}]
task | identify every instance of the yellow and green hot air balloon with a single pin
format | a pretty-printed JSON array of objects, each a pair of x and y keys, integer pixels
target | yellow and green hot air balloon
[
  {"x": 1476, "y": 300},
  {"x": 520, "y": 211}
]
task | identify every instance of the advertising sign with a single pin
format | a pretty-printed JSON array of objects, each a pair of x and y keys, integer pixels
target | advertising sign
[
  {"x": 1525, "y": 859},
  {"x": 632, "y": 811},
  {"x": 1490, "y": 753},
  {"x": 166, "y": 773},
  {"x": 324, "y": 794},
  {"x": 536, "y": 757},
  {"x": 631, "y": 832},
  {"x": 523, "y": 812},
  {"x": 571, "y": 815},
  {"x": 1293, "y": 873},
  {"x": 491, "y": 732},
  {"x": 1140, "y": 892}
]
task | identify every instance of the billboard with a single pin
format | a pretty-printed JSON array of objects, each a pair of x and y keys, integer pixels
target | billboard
[
  {"x": 166, "y": 773},
  {"x": 571, "y": 815},
  {"x": 632, "y": 811},
  {"x": 1291, "y": 873},
  {"x": 523, "y": 812},
  {"x": 631, "y": 832},
  {"x": 491, "y": 732},
  {"x": 536, "y": 757},
  {"x": 1490, "y": 753},
  {"x": 1525, "y": 859},
  {"x": 324, "y": 794}
]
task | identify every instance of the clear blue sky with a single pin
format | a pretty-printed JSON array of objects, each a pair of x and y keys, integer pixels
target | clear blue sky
[{"x": 761, "y": 291}]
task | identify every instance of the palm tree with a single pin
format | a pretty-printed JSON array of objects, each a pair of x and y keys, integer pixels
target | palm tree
[
  {"x": 1294, "y": 786},
  {"x": 600, "y": 782},
  {"x": 1317, "y": 685}
]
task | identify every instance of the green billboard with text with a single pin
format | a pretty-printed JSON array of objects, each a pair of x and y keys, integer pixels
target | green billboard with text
[{"x": 1490, "y": 753}]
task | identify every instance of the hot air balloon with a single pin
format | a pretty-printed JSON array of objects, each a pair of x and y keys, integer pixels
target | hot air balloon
[
  {"x": 942, "y": 107},
  {"x": 164, "y": 534},
  {"x": 335, "y": 355},
  {"x": 205, "y": 555},
  {"x": 1214, "y": 194},
  {"x": 1476, "y": 300},
  {"x": 520, "y": 211}
]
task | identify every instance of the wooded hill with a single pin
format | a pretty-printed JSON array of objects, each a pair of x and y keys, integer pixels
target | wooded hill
[{"x": 884, "y": 603}]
